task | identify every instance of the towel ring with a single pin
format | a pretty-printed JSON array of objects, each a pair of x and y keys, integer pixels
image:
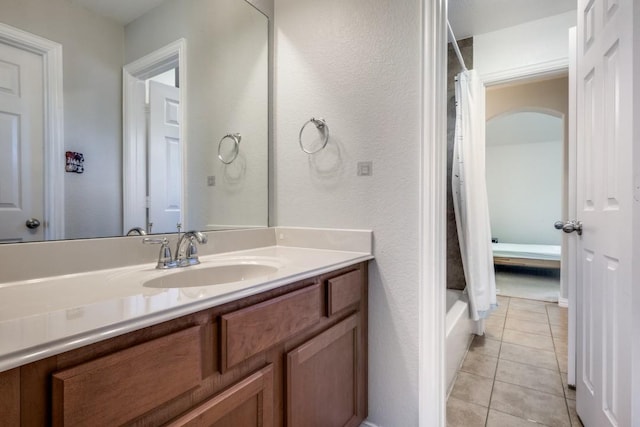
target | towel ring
[
  {"x": 322, "y": 126},
  {"x": 236, "y": 137}
]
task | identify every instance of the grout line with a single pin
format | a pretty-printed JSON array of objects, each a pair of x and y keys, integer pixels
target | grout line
[
  {"x": 493, "y": 384},
  {"x": 536, "y": 390},
  {"x": 537, "y": 423},
  {"x": 564, "y": 391},
  {"x": 557, "y": 371}
]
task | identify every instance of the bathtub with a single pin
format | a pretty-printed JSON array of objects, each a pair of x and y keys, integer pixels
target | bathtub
[{"x": 459, "y": 329}]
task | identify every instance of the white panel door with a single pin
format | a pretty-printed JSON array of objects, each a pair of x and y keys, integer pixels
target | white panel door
[
  {"x": 21, "y": 144},
  {"x": 165, "y": 158},
  {"x": 604, "y": 201}
]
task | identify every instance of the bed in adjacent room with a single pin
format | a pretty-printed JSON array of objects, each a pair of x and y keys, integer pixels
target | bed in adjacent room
[{"x": 525, "y": 255}]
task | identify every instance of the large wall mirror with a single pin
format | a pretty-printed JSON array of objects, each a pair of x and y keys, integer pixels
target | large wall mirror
[{"x": 119, "y": 115}]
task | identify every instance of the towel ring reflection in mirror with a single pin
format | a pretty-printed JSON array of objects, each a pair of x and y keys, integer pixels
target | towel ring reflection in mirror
[
  {"x": 322, "y": 127},
  {"x": 236, "y": 138}
]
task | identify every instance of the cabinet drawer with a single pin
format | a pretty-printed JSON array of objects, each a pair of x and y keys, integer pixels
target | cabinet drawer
[
  {"x": 246, "y": 403},
  {"x": 119, "y": 387},
  {"x": 343, "y": 291},
  {"x": 251, "y": 330}
]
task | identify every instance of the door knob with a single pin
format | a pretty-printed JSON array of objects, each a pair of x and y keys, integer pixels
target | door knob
[
  {"x": 569, "y": 226},
  {"x": 32, "y": 223}
]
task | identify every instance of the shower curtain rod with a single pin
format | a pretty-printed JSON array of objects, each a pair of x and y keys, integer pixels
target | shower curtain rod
[{"x": 456, "y": 47}]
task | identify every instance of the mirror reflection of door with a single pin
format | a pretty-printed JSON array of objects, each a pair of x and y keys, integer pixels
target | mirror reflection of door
[
  {"x": 164, "y": 168},
  {"x": 21, "y": 144}
]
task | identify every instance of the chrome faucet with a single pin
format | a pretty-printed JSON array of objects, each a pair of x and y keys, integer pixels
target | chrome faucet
[
  {"x": 186, "y": 253},
  {"x": 136, "y": 230}
]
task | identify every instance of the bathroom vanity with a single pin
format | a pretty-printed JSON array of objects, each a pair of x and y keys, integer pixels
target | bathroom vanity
[{"x": 286, "y": 349}]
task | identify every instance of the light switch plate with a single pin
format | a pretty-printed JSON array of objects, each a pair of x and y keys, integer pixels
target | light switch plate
[{"x": 365, "y": 168}]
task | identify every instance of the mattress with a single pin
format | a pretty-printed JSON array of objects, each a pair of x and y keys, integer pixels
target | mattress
[{"x": 518, "y": 250}]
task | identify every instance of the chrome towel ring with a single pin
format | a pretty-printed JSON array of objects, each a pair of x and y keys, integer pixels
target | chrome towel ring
[
  {"x": 322, "y": 127},
  {"x": 236, "y": 138}
]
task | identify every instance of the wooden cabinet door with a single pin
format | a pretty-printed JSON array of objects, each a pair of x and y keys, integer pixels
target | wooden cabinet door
[
  {"x": 248, "y": 403},
  {"x": 325, "y": 379},
  {"x": 10, "y": 398}
]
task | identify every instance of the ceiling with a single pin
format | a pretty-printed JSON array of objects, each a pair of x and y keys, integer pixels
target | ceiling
[
  {"x": 471, "y": 17},
  {"x": 467, "y": 17},
  {"x": 122, "y": 11}
]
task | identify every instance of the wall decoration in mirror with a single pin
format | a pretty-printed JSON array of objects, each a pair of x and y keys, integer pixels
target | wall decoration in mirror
[{"x": 140, "y": 89}]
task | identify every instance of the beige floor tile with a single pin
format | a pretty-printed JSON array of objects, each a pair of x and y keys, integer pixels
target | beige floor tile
[
  {"x": 480, "y": 364},
  {"x": 500, "y": 311},
  {"x": 521, "y": 354},
  {"x": 559, "y": 332},
  {"x": 575, "y": 420},
  {"x": 484, "y": 345},
  {"x": 500, "y": 419},
  {"x": 562, "y": 363},
  {"x": 502, "y": 300},
  {"x": 493, "y": 327},
  {"x": 528, "y": 305},
  {"x": 557, "y": 315},
  {"x": 472, "y": 388},
  {"x": 530, "y": 404},
  {"x": 568, "y": 392},
  {"x": 527, "y": 315},
  {"x": 561, "y": 347},
  {"x": 503, "y": 306},
  {"x": 465, "y": 414},
  {"x": 526, "y": 339},
  {"x": 545, "y": 380},
  {"x": 527, "y": 326}
]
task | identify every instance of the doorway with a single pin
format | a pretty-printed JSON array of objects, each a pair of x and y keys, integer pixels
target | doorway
[
  {"x": 526, "y": 138},
  {"x": 154, "y": 142},
  {"x": 31, "y": 123}
]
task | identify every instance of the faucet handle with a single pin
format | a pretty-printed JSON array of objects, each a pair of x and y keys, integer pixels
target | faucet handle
[{"x": 165, "y": 260}]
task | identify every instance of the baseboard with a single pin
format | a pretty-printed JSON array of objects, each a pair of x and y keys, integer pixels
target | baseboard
[
  {"x": 563, "y": 302},
  {"x": 368, "y": 424}
]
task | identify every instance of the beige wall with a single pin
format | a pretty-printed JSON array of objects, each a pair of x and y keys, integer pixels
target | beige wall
[
  {"x": 550, "y": 94},
  {"x": 92, "y": 68}
]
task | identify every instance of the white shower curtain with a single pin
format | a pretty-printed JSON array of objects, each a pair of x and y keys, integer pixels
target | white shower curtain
[{"x": 470, "y": 195}]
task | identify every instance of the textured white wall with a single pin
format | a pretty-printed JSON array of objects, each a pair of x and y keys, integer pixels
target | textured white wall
[
  {"x": 524, "y": 186},
  {"x": 92, "y": 66},
  {"x": 357, "y": 64},
  {"x": 535, "y": 42}
]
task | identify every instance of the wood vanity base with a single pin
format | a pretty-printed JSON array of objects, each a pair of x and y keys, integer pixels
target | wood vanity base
[{"x": 294, "y": 356}]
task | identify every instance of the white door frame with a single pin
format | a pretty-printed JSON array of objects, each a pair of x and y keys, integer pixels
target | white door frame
[
  {"x": 53, "y": 138},
  {"x": 432, "y": 217},
  {"x": 134, "y": 150}
]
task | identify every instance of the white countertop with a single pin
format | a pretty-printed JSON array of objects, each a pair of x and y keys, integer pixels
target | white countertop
[{"x": 43, "y": 317}]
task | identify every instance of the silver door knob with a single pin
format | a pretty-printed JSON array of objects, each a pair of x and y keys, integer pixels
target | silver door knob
[
  {"x": 32, "y": 223},
  {"x": 569, "y": 226}
]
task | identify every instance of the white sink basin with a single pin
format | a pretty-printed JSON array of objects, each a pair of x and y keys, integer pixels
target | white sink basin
[{"x": 189, "y": 277}]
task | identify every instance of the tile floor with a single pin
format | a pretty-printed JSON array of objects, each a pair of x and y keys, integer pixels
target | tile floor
[{"x": 516, "y": 374}]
